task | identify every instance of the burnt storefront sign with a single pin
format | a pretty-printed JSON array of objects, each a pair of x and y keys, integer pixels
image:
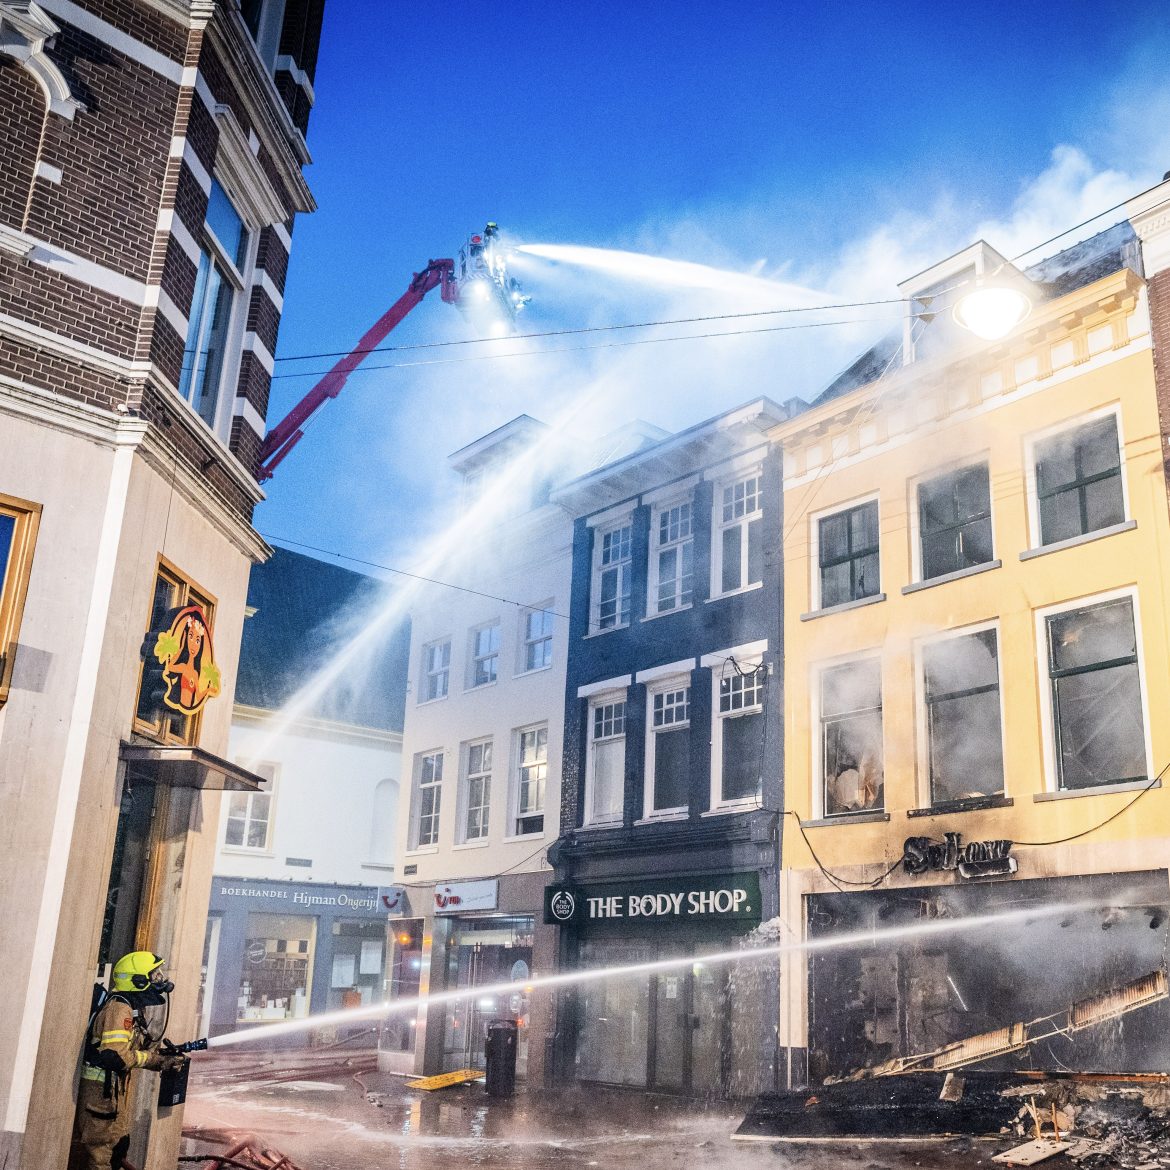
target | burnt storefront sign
[{"x": 976, "y": 859}]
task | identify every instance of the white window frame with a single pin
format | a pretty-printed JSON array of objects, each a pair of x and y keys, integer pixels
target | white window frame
[
  {"x": 1035, "y": 439},
  {"x": 977, "y": 459},
  {"x": 719, "y": 525},
  {"x": 425, "y": 672},
  {"x": 814, "y": 544},
  {"x": 414, "y": 845},
  {"x": 524, "y": 641},
  {"x": 815, "y": 728},
  {"x": 671, "y": 685},
  {"x": 657, "y": 548},
  {"x": 599, "y": 534},
  {"x": 596, "y": 702},
  {"x": 514, "y": 814},
  {"x": 270, "y": 770},
  {"x": 474, "y": 658},
  {"x": 464, "y": 802},
  {"x": 1048, "y": 715},
  {"x": 922, "y": 714},
  {"x": 747, "y": 657},
  {"x": 239, "y": 276}
]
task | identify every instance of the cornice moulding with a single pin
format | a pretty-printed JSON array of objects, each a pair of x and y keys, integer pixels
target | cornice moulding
[{"x": 25, "y": 29}]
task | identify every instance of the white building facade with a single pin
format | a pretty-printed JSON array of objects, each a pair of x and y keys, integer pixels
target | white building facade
[{"x": 481, "y": 776}]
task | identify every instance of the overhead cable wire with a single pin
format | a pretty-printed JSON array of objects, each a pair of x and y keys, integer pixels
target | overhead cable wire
[
  {"x": 297, "y": 357},
  {"x": 585, "y": 348}
]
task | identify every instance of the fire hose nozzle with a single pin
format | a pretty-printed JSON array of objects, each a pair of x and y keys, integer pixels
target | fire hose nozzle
[{"x": 199, "y": 1045}]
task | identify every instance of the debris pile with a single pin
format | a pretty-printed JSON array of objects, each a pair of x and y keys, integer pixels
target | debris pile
[{"x": 1127, "y": 1133}]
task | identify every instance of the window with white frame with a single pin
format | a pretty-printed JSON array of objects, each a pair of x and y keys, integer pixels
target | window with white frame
[
  {"x": 531, "y": 778},
  {"x": 672, "y": 558},
  {"x": 477, "y": 787},
  {"x": 1096, "y": 695},
  {"x": 485, "y": 655},
  {"x": 612, "y": 577},
  {"x": 739, "y": 534},
  {"x": 847, "y": 554},
  {"x": 964, "y": 739},
  {"x": 954, "y": 521},
  {"x": 605, "y": 765},
  {"x": 428, "y": 793},
  {"x": 436, "y": 670},
  {"x": 852, "y": 770},
  {"x": 1078, "y": 481},
  {"x": 538, "y": 638},
  {"x": 220, "y": 275},
  {"x": 738, "y": 742},
  {"x": 668, "y": 749},
  {"x": 248, "y": 824}
]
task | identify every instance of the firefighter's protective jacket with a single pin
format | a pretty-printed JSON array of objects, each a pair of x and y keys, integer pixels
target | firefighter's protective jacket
[{"x": 118, "y": 1043}]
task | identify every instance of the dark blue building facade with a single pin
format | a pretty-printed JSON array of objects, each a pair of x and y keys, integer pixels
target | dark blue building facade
[{"x": 671, "y": 785}]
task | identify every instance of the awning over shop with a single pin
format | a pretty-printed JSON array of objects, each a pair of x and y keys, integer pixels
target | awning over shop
[{"x": 182, "y": 766}]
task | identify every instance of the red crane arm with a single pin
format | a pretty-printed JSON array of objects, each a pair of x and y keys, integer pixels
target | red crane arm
[{"x": 287, "y": 433}]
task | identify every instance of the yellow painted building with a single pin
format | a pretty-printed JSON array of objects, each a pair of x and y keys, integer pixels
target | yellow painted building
[{"x": 976, "y": 635}]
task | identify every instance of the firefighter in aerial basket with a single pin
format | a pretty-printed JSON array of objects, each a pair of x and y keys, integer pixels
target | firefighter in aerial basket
[{"x": 119, "y": 1042}]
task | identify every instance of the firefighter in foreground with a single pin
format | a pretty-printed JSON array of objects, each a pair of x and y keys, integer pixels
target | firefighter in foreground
[{"x": 118, "y": 1042}]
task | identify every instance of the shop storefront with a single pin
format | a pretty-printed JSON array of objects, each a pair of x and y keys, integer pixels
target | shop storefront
[
  {"x": 1064, "y": 973},
  {"x": 699, "y": 1029},
  {"x": 280, "y": 951},
  {"x": 484, "y": 937}
]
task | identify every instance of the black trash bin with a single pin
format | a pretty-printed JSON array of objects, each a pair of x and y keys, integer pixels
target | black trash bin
[{"x": 500, "y": 1051}]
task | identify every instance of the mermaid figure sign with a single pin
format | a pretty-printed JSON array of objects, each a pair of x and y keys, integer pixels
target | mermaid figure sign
[{"x": 183, "y": 649}]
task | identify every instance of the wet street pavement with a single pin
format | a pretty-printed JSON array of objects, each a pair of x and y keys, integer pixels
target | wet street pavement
[{"x": 335, "y": 1116}]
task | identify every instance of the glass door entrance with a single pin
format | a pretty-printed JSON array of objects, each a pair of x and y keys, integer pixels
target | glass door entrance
[{"x": 667, "y": 1030}]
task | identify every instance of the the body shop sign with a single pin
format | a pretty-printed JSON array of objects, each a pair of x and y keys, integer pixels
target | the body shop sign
[{"x": 711, "y": 898}]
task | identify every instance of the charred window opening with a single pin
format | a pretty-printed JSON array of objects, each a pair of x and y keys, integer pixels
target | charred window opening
[
  {"x": 851, "y": 737},
  {"x": 954, "y": 514},
  {"x": 893, "y": 989},
  {"x": 1078, "y": 481},
  {"x": 961, "y": 677},
  {"x": 848, "y": 554},
  {"x": 1096, "y": 695}
]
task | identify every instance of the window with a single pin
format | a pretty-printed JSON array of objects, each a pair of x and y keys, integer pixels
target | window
[
  {"x": 485, "y": 655},
  {"x": 954, "y": 521},
  {"x": 436, "y": 671},
  {"x": 739, "y": 534},
  {"x": 428, "y": 797},
  {"x": 1096, "y": 695},
  {"x": 249, "y": 814},
  {"x": 848, "y": 554},
  {"x": 963, "y": 731},
  {"x": 538, "y": 639},
  {"x": 851, "y": 737},
  {"x": 672, "y": 559},
  {"x": 532, "y": 751},
  {"x": 1078, "y": 481},
  {"x": 18, "y": 535},
  {"x": 478, "y": 788},
  {"x": 606, "y": 762},
  {"x": 612, "y": 578},
  {"x": 216, "y": 280},
  {"x": 669, "y": 750},
  {"x": 151, "y": 716},
  {"x": 738, "y": 743}
]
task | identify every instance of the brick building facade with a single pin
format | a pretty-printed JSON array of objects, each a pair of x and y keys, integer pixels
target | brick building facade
[{"x": 151, "y": 156}]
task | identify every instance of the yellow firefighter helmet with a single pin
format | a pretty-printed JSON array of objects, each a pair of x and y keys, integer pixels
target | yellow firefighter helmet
[{"x": 133, "y": 972}]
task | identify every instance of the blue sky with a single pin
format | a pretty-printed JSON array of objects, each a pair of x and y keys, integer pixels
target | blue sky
[{"x": 837, "y": 146}]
